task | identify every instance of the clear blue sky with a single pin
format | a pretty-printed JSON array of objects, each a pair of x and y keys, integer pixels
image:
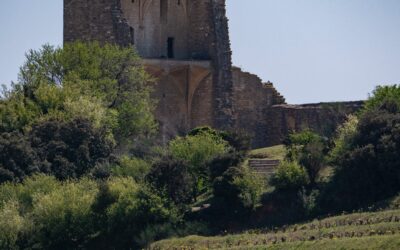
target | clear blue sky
[{"x": 313, "y": 50}]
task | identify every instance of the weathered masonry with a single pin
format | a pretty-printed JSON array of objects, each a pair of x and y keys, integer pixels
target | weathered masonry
[{"x": 185, "y": 45}]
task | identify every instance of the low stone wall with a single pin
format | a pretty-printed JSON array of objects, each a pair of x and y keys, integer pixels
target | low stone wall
[{"x": 323, "y": 118}]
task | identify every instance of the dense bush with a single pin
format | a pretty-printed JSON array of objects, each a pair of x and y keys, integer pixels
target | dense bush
[
  {"x": 382, "y": 95},
  {"x": 172, "y": 179},
  {"x": 11, "y": 225},
  {"x": 197, "y": 150},
  {"x": 343, "y": 139},
  {"x": 369, "y": 171},
  {"x": 72, "y": 148},
  {"x": 135, "y": 208},
  {"x": 17, "y": 158},
  {"x": 131, "y": 167},
  {"x": 239, "y": 141},
  {"x": 238, "y": 189},
  {"x": 221, "y": 163},
  {"x": 64, "y": 149},
  {"x": 43, "y": 213},
  {"x": 309, "y": 150},
  {"x": 63, "y": 218},
  {"x": 289, "y": 176}
]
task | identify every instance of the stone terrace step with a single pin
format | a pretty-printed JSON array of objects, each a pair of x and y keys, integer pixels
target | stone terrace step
[{"x": 263, "y": 166}]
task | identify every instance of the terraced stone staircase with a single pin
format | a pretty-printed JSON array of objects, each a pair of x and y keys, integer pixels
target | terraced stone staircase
[{"x": 263, "y": 166}]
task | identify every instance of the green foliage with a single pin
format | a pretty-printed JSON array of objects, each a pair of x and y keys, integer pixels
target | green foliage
[
  {"x": 103, "y": 83},
  {"x": 381, "y": 95},
  {"x": 250, "y": 188},
  {"x": 343, "y": 140},
  {"x": 11, "y": 225},
  {"x": 131, "y": 167},
  {"x": 238, "y": 141},
  {"x": 135, "y": 209},
  {"x": 221, "y": 163},
  {"x": 238, "y": 189},
  {"x": 64, "y": 149},
  {"x": 289, "y": 176},
  {"x": 197, "y": 151},
  {"x": 44, "y": 213},
  {"x": 17, "y": 158},
  {"x": 369, "y": 171},
  {"x": 36, "y": 185},
  {"x": 295, "y": 142},
  {"x": 172, "y": 178},
  {"x": 309, "y": 149},
  {"x": 63, "y": 218}
]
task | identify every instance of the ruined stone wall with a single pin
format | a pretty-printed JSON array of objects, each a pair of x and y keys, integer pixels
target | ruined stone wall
[
  {"x": 99, "y": 20},
  {"x": 322, "y": 118},
  {"x": 222, "y": 61},
  {"x": 251, "y": 98}
]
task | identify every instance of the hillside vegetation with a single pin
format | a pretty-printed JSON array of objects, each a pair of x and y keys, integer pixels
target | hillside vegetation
[{"x": 374, "y": 230}]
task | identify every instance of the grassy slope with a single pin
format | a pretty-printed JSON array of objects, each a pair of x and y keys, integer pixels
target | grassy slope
[
  {"x": 377, "y": 230},
  {"x": 274, "y": 153}
]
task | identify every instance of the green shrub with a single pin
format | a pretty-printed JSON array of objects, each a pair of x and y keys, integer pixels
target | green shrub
[
  {"x": 197, "y": 151},
  {"x": 289, "y": 176},
  {"x": 309, "y": 149},
  {"x": 250, "y": 187},
  {"x": 172, "y": 179},
  {"x": 131, "y": 167},
  {"x": 343, "y": 140},
  {"x": 11, "y": 225},
  {"x": 134, "y": 210},
  {"x": 238, "y": 189},
  {"x": 382, "y": 95},
  {"x": 369, "y": 170},
  {"x": 63, "y": 219},
  {"x": 25, "y": 193}
]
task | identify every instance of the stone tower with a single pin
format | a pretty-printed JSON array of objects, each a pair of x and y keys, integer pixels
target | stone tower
[{"x": 185, "y": 45}]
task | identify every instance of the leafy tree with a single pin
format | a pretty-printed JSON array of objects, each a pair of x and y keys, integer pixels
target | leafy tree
[
  {"x": 104, "y": 83},
  {"x": 238, "y": 141},
  {"x": 343, "y": 139},
  {"x": 11, "y": 225},
  {"x": 197, "y": 151},
  {"x": 369, "y": 171},
  {"x": 289, "y": 176},
  {"x": 383, "y": 95},
  {"x": 135, "y": 209},
  {"x": 63, "y": 219},
  {"x": 172, "y": 177},
  {"x": 17, "y": 158},
  {"x": 221, "y": 163},
  {"x": 72, "y": 148},
  {"x": 238, "y": 189},
  {"x": 64, "y": 149},
  {"x": 131, "y": 167},
  {"x": 309, "y": 149}
]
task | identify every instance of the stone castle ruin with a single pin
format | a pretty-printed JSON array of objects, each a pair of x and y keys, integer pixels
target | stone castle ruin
[{"x": 185, "y": 45}]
